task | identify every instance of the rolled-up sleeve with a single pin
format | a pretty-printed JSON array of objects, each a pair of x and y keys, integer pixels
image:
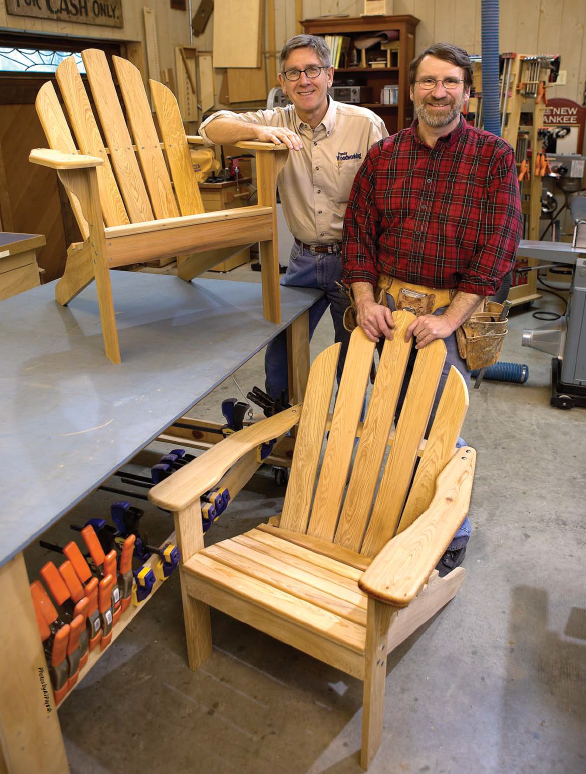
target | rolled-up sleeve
[
  {"x": 264, "y": 117},
  {"x": 359, "y": 240},
  {"x": 501, "y": 231}
]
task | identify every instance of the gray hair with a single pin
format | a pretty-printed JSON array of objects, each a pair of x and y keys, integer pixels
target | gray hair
[{"x": 306, "y": 41}]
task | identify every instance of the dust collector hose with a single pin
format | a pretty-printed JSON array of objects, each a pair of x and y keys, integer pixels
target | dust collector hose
[
  {"x": 490, "y": 66},
  {"x": 506, "y": 372}
]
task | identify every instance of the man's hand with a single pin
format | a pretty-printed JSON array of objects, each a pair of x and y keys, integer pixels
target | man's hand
[
  {"x": 278, "y": 135},
  {"x": 428, "y": 328},
  {"x": 374, "y": 319}
]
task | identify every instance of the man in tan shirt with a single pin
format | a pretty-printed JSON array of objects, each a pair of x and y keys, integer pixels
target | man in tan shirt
[{"x": 328, "y": 141}]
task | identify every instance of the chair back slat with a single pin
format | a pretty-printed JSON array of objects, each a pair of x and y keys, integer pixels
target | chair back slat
[
  {"x": 409, "y": 433},
  {"x": 309, "y": 440},
  {"x": 90, "y": 140},
  {"x": 148, "y": 147},
  {"x": 59, "y": 138},
  {"x": 117, "y": 135},
  {"x": 177, "y": 150},
  {"x": 338, "y": 453},
  {"x": 375, "y": 436},
  {"x": 439, "y": 448}
]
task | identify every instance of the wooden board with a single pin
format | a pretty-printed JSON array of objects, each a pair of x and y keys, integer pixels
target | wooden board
[
  {"x": 185, "y": 66},
  {"x": 237, "y": 33},
  {"x": 206, "y": 81},
  {"x": 152, "y": 43},
  {"x": 247, "y": 84}
]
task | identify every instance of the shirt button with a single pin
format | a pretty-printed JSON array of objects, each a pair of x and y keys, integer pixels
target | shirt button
[
  {"x": 322, "y": 234},
  {"x": 318, "y": 190},
  {"x": 424, "y": 206},
  {"x": 429, "y": 179},
  {"x": 317, "y": 168},
  {"x": 315, "y": 143},
  {"x": 319, "y": 212}
]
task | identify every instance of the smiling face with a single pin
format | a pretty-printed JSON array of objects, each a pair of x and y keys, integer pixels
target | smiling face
[
  {"x": 438, "y": 107},
  {"x": 309, "y": 95}
]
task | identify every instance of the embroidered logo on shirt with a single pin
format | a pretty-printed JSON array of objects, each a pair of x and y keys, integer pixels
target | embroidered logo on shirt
[{"x": 345, "y": 156}]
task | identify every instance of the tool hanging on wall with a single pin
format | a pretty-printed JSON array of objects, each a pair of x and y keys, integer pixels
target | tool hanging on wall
[
  {"x": 185, "y": 60},
  {"x": 201, "y": 16}
]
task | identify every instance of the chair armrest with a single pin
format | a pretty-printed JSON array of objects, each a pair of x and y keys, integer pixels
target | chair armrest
[
  {"x": 56, "y": 159},
  {"x": 253, "y": 145},
  {"x": 403, "y": 566},
  {"x": 200, "y": 475}
]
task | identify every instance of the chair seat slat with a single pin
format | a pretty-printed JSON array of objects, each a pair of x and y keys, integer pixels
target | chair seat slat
[
  {"x": 147, "y": 142},
  {"x": 118, "y": 137},
  {"x": 280, "y": 603},
  {"x": 285, "y": 579},
  {"x": 319, "y": 546}
]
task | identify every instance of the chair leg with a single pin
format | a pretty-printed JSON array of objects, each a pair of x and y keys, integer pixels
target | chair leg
[
  {"x": 79, "y": 272},
  {"x": 378, "y": 620},
  {"x": 198, "y": 630}
]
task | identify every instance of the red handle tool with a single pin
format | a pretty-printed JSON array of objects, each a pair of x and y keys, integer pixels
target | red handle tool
[
  {"x": 82, "y": 608},
  {"x": 93, "y": 614},
  {"x": 76, "y": 629},
  {"x": 125, "y": 577},
  {"x": 105, "y": 608},
  {"x": 94, "y": 547},
  {"x": 110, "y": 569},
  {"x": 78, "y": 561},
  {"x": 59, "y": 668},
  {"x": 71, "y": 580}
]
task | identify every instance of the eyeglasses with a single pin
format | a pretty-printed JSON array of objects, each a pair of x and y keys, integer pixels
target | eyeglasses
[
  {"x": 312, "y": 72},
  {"x": 448, "y": 83}
]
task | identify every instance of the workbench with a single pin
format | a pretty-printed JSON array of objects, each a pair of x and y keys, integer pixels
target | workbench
[{"x": 69, "y": 418}]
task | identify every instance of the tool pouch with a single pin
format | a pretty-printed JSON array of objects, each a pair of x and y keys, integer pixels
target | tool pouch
[
  {"x": 480, "y": 339},
  {"x": 413, "y": 301},
  {"x": 349, "y": 317}
]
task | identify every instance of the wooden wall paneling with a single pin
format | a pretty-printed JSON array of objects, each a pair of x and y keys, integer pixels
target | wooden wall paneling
[
  {"x": 425, "y": 30},
  {"x": 36, "y": 206},
  {"x": 573, "y": 38},
  {"x": 445, "y": 21},
  {"x": 135, "y": 53},
  {"x": 237, "y": 33},
  {"x": 465, "y": 18},
  {"x": 327, "y": 8},
  {"x": 508, "y": 22},
  {"x": 246, "y": 84},
  {"x": 400, "y": 7},
  {"x": 527, "y": 30}
]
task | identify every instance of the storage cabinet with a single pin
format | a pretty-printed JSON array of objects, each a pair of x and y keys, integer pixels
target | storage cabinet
[{"x": 374, "y": 79}]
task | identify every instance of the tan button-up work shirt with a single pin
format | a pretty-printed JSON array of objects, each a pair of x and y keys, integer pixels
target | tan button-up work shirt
[{"x": 314, "y": 185}]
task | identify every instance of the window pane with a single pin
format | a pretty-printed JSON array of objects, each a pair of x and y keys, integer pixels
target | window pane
[{"x": 34, "y": 60}]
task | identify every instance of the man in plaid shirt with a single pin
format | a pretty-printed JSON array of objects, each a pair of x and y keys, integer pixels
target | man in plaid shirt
[{"x": 436, "y": 205}]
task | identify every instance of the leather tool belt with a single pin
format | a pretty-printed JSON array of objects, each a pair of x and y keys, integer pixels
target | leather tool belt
[
  {"x": 332, "y": 248},
  {"x": 417, "y": 299}
]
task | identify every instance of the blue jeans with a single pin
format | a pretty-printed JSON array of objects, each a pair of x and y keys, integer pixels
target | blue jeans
[
  {"x": 453, "y": 358},
  {"x": 309, "y": 269}
]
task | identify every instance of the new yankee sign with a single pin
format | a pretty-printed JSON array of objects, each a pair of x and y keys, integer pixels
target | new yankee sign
[{"x": 106, "y": 13}]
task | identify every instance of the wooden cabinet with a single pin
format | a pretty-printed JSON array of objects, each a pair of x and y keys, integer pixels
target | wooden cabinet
[
  {"x": 397, "y": 116},
  {"x": 19, "y": 270},
  {"x": 226, "y": 196}
]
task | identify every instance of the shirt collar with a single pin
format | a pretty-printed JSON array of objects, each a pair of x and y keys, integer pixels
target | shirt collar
[
  {"x": 447, "y": 139},
  {"x": 327, "y": 121}
]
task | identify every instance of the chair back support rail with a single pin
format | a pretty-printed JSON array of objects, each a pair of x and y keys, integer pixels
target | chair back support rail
[
  {"x": 348, "y": 573},
  {"x": 147, "y": 200}
]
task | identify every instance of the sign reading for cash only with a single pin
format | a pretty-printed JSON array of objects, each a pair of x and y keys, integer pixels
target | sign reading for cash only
[{"x": 107, "y": 13}]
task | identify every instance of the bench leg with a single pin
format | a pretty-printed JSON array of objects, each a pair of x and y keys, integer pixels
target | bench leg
[
  {"x": 79, "y": 272},
  {"x": 375, "y": 673}
]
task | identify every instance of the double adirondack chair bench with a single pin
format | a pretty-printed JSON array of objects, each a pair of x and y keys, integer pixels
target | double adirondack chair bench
[
  {"x": 135, "y": 197},
  {"x": 348, "y": 572}
]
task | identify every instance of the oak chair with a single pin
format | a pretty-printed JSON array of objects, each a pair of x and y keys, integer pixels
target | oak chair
[
  {"x": 136, "y": 199},
  {"x": 348, "y": 573}
]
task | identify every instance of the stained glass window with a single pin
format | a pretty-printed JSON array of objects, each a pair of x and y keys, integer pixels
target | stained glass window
[{"x": 34, "y": 60}]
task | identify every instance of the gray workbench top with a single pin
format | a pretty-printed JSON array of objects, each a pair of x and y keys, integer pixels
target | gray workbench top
[{"x": 69, "y": 417}]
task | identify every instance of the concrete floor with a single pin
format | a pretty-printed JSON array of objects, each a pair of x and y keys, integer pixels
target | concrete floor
[{"x": 494, "y": 684}]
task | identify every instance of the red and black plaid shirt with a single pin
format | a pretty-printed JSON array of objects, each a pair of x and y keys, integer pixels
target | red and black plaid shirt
[{"x": 443, "y": 217}]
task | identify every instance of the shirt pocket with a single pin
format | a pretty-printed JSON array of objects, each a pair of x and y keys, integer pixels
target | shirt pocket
[{"x": 343, "y": 175}]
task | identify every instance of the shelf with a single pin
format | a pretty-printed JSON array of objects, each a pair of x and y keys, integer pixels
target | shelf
[{"x": 366, "y": 70}]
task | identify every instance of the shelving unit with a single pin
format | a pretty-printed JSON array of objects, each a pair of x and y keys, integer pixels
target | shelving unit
[{"x": 397, "y": 116}]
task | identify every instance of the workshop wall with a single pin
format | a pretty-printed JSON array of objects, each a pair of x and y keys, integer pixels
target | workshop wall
[{"x": 173, "y": 27}]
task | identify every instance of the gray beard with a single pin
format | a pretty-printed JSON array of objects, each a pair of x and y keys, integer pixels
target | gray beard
[{"x": 431, "y": 118}]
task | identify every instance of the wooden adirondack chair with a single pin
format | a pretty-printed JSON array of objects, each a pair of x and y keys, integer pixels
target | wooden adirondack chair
[
  {"x": 130, "y": 210},
  {"x": 340, "y": 578}
]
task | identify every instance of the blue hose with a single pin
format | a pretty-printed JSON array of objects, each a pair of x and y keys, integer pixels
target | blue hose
[
  {"x": 506, "y": 372},
  {"x": 490, "y": 66}
]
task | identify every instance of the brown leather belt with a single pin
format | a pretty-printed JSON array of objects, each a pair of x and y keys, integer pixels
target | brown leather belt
[{"x": 333, "y": 248}]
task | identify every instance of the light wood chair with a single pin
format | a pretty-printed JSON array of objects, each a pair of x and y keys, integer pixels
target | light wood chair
[
  {"x": 348, "y": 573},
  {"x": 128, "y": 207}
]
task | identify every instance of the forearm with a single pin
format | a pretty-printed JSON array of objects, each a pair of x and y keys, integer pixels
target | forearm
[
  {"x": 227, "y": 130},
  {"x": 463, "y": 305},
  {"x": 362, "y": 292}
]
